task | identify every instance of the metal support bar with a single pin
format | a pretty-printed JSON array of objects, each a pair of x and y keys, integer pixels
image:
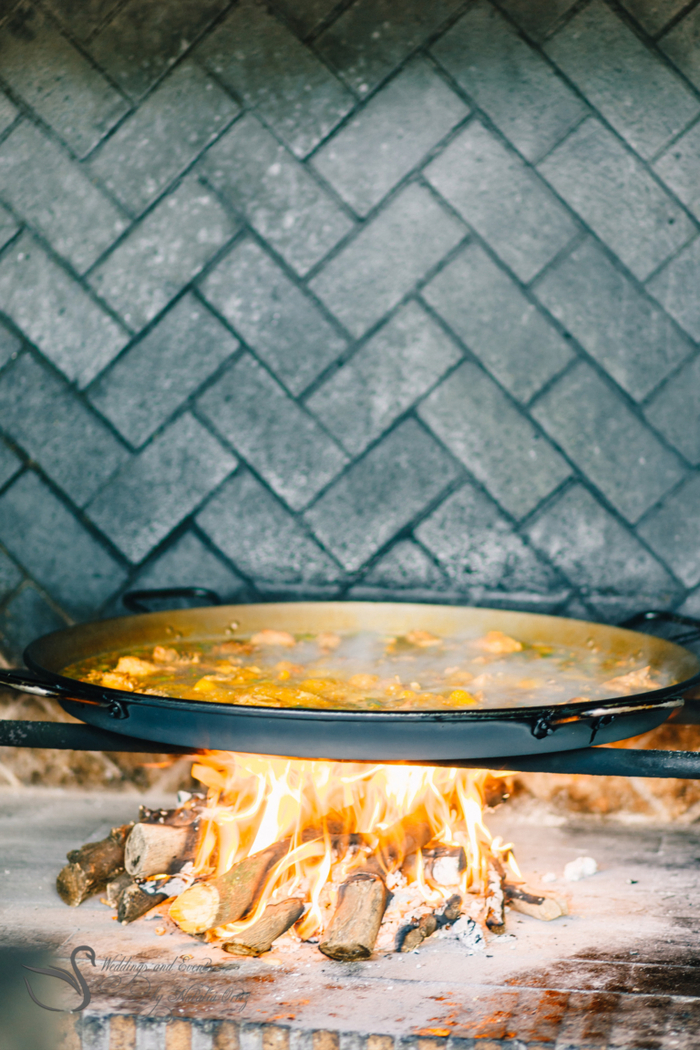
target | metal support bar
[{"x": 75, "y": 736}]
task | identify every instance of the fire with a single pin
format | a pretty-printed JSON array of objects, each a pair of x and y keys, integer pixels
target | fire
[{"x": 336, "y": 816}]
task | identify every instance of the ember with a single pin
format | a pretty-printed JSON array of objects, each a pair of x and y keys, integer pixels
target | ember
[{"x": 345, "y": 855}]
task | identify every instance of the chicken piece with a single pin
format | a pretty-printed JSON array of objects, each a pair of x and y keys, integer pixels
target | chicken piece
[
  {"x": 458, "y": 676},
  {"x": 363, "y": 681},
  {"x": 132, "y": 665},
  {"x": 498, "y": 642},
  {"x": 328, "y": 640},
  {"x": 423, "y": 639},
  {"x": 269, "y": 637},
  {"x": 112, "y": 680},
  {"x": 633, "y": 682}
]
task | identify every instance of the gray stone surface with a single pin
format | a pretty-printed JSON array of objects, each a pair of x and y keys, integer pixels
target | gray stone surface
[
  {"x": 634, "y": 90},
  {"x": 188, "y": 562},
  {"x": 155, "y": 145},
  {"x": 509, "y": 80},
  {"x": 10, "y": 464},
  {"x": 8, "y": 227},
  {"x": 674, "y": 410},
  {"x": 607, "y": 441},
  {"x": 372, "y": 37},
  {"x": 386, "y": 259},
  {"x": 302, "y": 101},
  {"x": 612, "y": 319},
  {"x": 263, "y": 540},
  {"x": 153, "y": 378},
  {"x": 393, "y": 369},
  {"x": 55, "y": 548},
  {"x": 653, "y": 15},
  {"x": 25, "y": 617},
  {"x": 74, "y": 332},
  {"x": 305, "y": 15},
  {"x": 272, "y": 433},
  {"x": 615, "y": 195},
  {"x": 672, "y": 532},
  {"x": 8, "y": 112},
  {"x": 406, "y": 568},
  {"x": 82, "y": 19},
  {"x": 678, "y": 167},
  {"x": 595, "y": 551},
  {"x": 478, "y": 546},
  {"x": 676, "y": 287},
  {"x": 278, "y": 197},
  {"x": 381, "y": 494},
  {"x": 43, "y": 416},
  {"x": 46, "y": 188},
  {"x": 503, "y": 199},
  {"x": 277, "y": 319},
  {"x": 682, "y": 45},
  {"x": 10, "y": 576},
  {"x": 496, "y": 442},
  {"x": 65, "y": 89},
  {"x": 497, "y": 322},
  {"x": 145, "y": 39},
  {"x": 395, "y": 130},
  {"x": 537, "y": 19},
  {"x": 9, "y": 346},
  {"x": 160, "y": 486},
  {"x": 163, "y": 253}
]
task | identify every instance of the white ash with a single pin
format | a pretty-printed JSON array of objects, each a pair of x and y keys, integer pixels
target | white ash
[
  {"x": 467, "y": 932},
  {"x": 172, "y": 885},
  {"x": 549, "y": 877},
  {"x": 581, "y": 868}
]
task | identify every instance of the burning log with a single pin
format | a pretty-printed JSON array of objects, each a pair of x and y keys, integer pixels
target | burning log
[
  {"x": 115, "y": 888},
  {"x": 229, "y": 897},
  {"x": 495, "y": 899},
  {"x": 534, "y": 904},
  {"x": 92, "y": 866},
  {"x": 352, "y": 932},
  {"x": 452, "y": 910},
  {"x": 133, "y": 902},
  {"x": 158, "y": 849},
  {"x": 415, "y": 935},
  {"x": 442, "y": 865},
  {"x": 275, "y": 920}
]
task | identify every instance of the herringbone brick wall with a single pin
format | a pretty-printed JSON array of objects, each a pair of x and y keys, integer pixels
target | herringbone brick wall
[{"x": 362, "y": 299}]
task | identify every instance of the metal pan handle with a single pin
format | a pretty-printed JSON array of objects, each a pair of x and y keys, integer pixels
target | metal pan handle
[
  {"x": 649, "y": 616},
  {"x": 28, "y": 682},
  {"x": 137, "y": 601}
]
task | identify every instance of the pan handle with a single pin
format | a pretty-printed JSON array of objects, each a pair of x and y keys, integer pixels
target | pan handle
[
  {"x": 136, "y": 601},
  {"x": 28, "y": 682},
  {"x": 663, "y": 616}
]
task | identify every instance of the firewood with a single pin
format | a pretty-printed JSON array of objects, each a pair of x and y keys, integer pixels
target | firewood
[
  {"x": 495, "y": 899},
  {"x": 415, "y": 935},
  {"x": 229, "y": 897},
  {"x": 452, "y": 910},
  {"x": 442, "y": 865},
  {"x": 158, "y": 849},
  {"x": 92, "y": 866},
  {"x": 116, "y": 887},
  {"x": 539, "y": 906},
  {"x": 133, "y": 903},
  {"x": 188, "y": 813},
  {"x": 274, "y": 921},
  {"x": 353, "y": 930}
]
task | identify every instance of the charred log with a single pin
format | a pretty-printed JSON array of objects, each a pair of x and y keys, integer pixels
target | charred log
[
  {"x": 91, "y": 867},
  {"x": 274, "y": 921},
  {"x": 539, "y": 906},
  {"x": 352, "y": 932},
  {"x": 495, "y": 899},
  {"x": 158, "y": 849},
  {"x": 413, "y": 936},
  {"x": 133, "y": 903}
]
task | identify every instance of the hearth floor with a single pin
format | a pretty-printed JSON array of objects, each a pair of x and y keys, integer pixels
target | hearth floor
[{"x": 621, "y": 971}]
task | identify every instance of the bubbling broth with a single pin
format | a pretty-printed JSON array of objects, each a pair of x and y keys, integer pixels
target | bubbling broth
[{"x": 368, "y": 671}]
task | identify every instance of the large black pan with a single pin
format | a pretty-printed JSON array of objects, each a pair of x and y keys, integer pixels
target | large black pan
[{"x": 358, "y": 735}]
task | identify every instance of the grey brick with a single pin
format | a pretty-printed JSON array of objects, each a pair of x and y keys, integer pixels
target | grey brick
[
  {"x": 497, "y": 322},
  {"x": 276, "y": 194},
  {"x": 613, "y": 320},
  {"x": 262, "y": 538},
  {"x": 496, "y": 443},
  {"x": 305, "y": 15},
  {"x": 61, "y": 555},
  {"x": 671, "y": 531},
  {"x": 682, "y": 45},
  {"x": 691, "y": 606},
  {"x": 406, "y": 567},
  {"x": 10, "y": 577},
  {"x": 302, "y": 102},
  {"x": 182, "y": 116},
  {"x": 163, "y": 253},
  {"x": 537, "y": 19},
  {"x": 502, "y": 199},
  {"x": 54, "y": 312},
  {"x": 674, "y": 411},
  {"x": 372, "y": 37},
  {"x": 27, "y": 616},
  {"x": 595, "y": 551},
  {"x": 384, "y": 378},
  {"x": 8, "y": 227},
  {"x": 159, "y": 487},
  {"x": 149, "y": 382},
  {"x": 10, "y": 464},
  {"x": 381, "y": 494},
  {"x": 51, "y": 192},
  {"x": 478, "y": 546},
  {"x": 607, "y": 442},
  {"x": 519, "y": 91},
  {"x": 280, "y": 441},
  {"x": 189, "y": 563},
  {"x": 8, "y": 112},
  {"x": 633, "y": 89},
  {"x": 53, "y": 426},
  {"x": 676, "y": 288},
  {"x": 678, "y": 167},
  {"x": 615, "y": 195},
  {"x": 145, "y": 38},
  {"x": 9, "y": 346},
  {"x": 653, "y": 15},
  {"x": 53, "y": 77},
  {"x": 390, "y": 136},
  {"x": 82, "y": 19},
  {"x": 284, "y": 326},
  {"x": 373, "y": 273}
]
